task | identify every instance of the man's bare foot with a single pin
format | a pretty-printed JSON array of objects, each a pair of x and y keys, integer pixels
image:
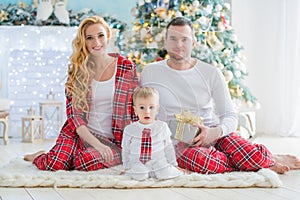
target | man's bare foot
[
  {"x": 31, "y": 157},
  {"x": 289, "y": 160},
  {"x": 279, "y": 168}
]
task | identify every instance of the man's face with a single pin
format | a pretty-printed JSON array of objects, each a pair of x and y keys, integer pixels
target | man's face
[{"x": 179, "y": 42}]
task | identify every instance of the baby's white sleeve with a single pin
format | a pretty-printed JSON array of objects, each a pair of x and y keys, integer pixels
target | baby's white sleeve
[
  {"x": 125, "y": 150},
  {"x": 169, "y": 148}
]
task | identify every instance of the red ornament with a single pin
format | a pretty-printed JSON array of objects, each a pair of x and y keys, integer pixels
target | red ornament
[
  {"x": 159, "y": 59},
  {"x": 224, "y": 22}
]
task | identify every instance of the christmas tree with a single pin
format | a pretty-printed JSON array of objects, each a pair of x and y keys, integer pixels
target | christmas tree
[{"x": 217, "y": 43}]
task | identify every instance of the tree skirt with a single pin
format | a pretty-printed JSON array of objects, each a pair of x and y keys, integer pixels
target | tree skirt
[{"x": 18, "y": 173}]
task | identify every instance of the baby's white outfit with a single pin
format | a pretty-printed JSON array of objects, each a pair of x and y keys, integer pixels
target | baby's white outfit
[{"x": 162, "y": 164}]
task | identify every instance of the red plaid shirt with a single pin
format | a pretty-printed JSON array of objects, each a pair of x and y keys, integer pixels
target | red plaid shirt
[{"x": 126, "y": 81}]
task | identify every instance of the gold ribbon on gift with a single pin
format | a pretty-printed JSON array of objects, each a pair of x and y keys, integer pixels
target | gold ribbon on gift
[{"x": 186, "y": 117}]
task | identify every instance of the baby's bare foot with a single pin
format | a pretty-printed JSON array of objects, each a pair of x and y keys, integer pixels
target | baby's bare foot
[{"x": 31, "y": 157}]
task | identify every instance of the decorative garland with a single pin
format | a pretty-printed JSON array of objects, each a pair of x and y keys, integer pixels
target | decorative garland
[{"x": 23, "y": 14}]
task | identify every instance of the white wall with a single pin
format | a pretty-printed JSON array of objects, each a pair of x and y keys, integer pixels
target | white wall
[{"x": 258, "y": 27}]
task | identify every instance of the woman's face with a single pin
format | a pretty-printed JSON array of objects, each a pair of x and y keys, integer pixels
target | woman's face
[{"x": 96, "y": 39}]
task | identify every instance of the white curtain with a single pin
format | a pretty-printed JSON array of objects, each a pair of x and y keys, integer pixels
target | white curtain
[
  {"x": 289, "y": 70},
  {"x": 269, "y": 30},
  {"x": 283, "y": 116}
]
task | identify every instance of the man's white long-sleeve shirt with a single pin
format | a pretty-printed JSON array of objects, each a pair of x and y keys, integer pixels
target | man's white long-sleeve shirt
[{"x": 201, "y": 89}]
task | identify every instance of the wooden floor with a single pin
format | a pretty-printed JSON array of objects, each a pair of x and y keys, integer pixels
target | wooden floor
[{"x": 290, "y": 189}]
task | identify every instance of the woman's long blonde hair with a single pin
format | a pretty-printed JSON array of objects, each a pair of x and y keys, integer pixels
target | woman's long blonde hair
[{"x": 81, "y": 69}]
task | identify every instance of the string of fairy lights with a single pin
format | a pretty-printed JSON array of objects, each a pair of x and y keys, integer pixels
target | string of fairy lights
[{"x": 36, "y": 63}]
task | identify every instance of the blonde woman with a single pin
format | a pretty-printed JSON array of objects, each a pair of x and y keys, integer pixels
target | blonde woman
[{"x": 99, "y": 104}]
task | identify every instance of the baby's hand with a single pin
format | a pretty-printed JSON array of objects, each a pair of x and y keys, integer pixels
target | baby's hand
[
  {"x": 122, "y": 172},
  {"x": 185, "y": 171}
]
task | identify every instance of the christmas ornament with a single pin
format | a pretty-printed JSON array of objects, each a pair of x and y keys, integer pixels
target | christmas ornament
[
  {"x": 44, "y": 10},
  {"x": 141, "y": 2},
  {"x": 61, "y": 12},
  {"x": 214, "y": 42},
  {"x": 238, "y": 74},
  {"x": 3, "y": 16},
  {"x": 143, "y": 33},
  {"x": 134, "y": 12},
  {"x": 218, "y": 8},
  {"x": 220, "y": 66},
  {"x": 195, "y": 4},
  {"x": 228, "y": 75},
  {"x": 224, "y": 23}
]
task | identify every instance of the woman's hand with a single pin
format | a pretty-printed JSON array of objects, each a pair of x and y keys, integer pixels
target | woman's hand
[
  {"x": 207, "y": 136},
  {"x": 105, "y": 152}
]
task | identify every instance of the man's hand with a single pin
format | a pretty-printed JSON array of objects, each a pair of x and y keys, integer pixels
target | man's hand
[{"x": 207, "y": 136}]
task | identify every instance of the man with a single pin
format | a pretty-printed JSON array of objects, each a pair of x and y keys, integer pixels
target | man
[{"x": 186, "y": 83}]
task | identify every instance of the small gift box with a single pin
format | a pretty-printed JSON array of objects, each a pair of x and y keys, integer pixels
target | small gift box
[{"x": 184, "y": 128}]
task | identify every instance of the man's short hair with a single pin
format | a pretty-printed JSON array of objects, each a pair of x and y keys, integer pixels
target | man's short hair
[{"x": 180, "y": 21}]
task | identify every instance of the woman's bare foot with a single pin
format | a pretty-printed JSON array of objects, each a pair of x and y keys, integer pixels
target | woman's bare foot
[
  {"x": 289, "y": 160},
  {"x": 31, "y": 157}
]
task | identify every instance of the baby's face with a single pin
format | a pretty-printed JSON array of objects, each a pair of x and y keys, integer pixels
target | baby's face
[{"x": 146, "y": 109}]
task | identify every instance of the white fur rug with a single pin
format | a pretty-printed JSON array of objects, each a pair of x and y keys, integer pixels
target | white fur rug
[{"x": 18, "y": 173}]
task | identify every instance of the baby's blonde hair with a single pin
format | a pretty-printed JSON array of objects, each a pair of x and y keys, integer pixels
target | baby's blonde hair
[{"x": 144, "y": 92}]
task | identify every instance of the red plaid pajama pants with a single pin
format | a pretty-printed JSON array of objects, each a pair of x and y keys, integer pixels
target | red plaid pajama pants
[
  {"x": 71, "y": 154},
  {"x": 230, "y": 153}
]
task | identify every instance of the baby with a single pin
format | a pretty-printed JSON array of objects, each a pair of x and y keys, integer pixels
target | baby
[{"x": 147, "y": 149}]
